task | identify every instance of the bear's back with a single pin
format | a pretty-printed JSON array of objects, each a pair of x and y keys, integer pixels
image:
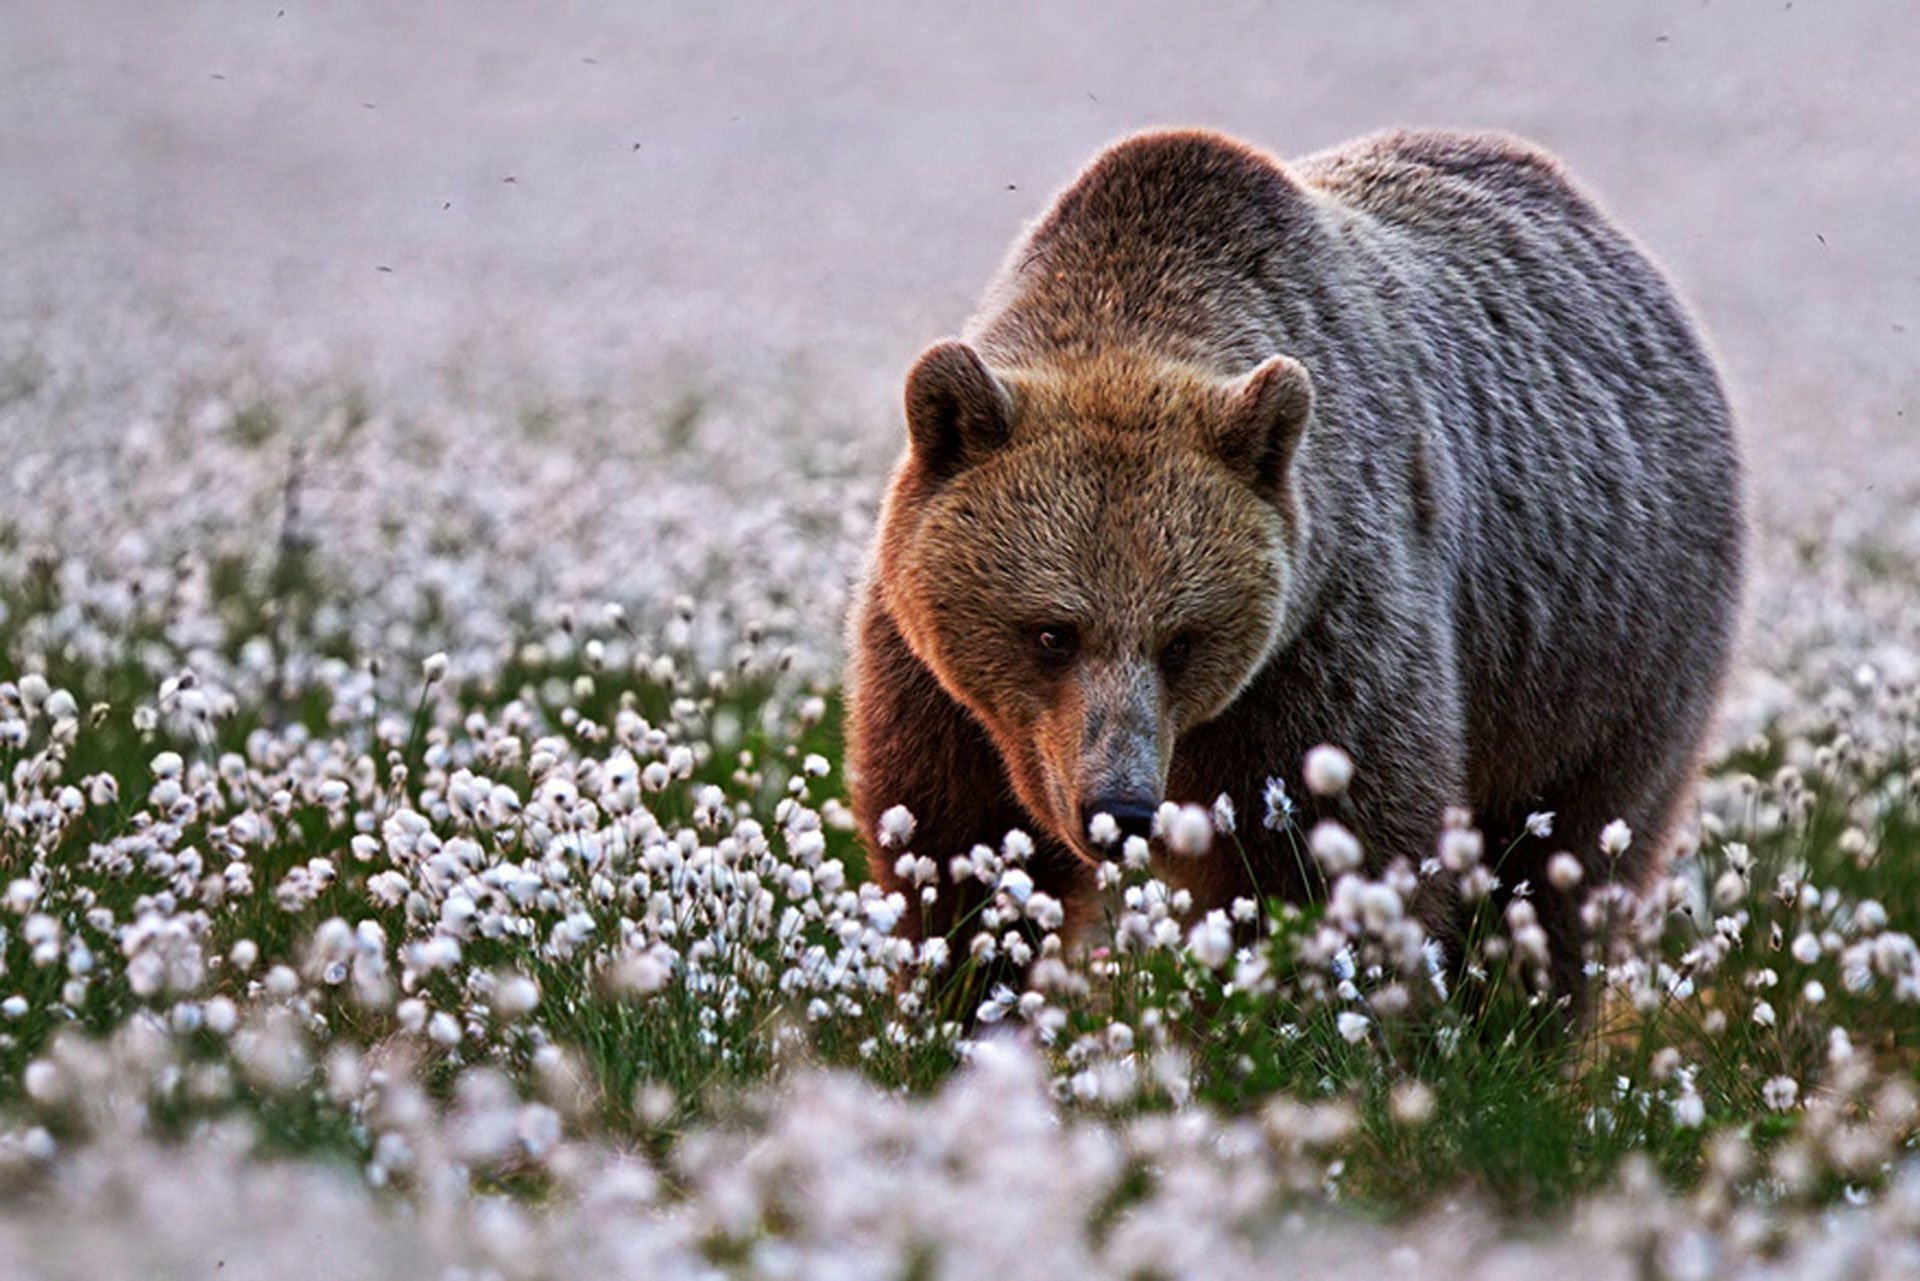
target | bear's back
[
  {"x": 1584, "y": 444},
  {"x": 1163, "y": 243}
]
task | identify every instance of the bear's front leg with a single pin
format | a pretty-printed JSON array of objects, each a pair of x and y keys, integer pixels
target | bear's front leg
[{"x": 910, "y": 744}]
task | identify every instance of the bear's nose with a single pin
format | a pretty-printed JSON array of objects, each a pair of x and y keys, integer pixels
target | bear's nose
[{"x": 1133, "y": 815}]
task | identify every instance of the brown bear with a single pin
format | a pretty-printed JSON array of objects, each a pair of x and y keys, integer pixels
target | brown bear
[{"x": 1404, "y": 447}]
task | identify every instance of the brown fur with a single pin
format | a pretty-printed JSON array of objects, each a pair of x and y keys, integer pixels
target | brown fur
[{"x": 1412, "y": 446}]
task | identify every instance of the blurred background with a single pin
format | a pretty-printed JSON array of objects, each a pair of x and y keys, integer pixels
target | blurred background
[{"x": 647, "y": 275}]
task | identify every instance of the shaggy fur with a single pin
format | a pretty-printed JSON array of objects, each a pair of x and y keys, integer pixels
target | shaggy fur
[{"x": 1403, "y": 446}]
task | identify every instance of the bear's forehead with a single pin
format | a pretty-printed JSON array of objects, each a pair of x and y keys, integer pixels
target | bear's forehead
[
  {"x": 1087, "y": 521},
  {"x": 1113, "y": 392}
]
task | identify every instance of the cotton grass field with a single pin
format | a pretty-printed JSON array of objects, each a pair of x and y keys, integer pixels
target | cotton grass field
[{"x": 423, "y": 839}]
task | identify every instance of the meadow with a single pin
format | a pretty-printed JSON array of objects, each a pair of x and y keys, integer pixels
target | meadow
[{"x": 551, "y": 952}]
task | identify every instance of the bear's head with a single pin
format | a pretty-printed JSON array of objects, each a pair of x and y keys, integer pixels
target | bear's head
[{"x": 1093, "y": 558}]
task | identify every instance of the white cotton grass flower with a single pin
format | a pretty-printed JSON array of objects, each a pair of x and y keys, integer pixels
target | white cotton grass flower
[
  {"x": 1186, "y": 829},
  {"x": 1210, "y": 942},
  {"x": 1103, "y": 830},
  {"x": 516, "y": 996},
  {"x": 221, "y": 1015},
  {"x": 1689, "y": 1109},
  {"x": 1781, "y": 1093},
  {"x": 1046, "y": 911},
  {"x": 1564, "y": 871},
  {"x": 60, "y": 706},
  {"x": 1352, "y": 1026},
  {"x": 1461, "y": 849},
  {"x": 997, "y": 1005},
  {"x": 34, "y": 691},
  {"x": 1540, "y": 824},
  {"x": 1225, "y": 818},
  {"x": 1327, "y": 770},
  {"x": 1615, "y": 837},
  {"x": 44, "y": 1082},
  {"x": 22, "y": 894},
  {"x": 1411, "y": 1102},
  {"x": 643, "y": 973},
  {"x": 434, "y": 668},
  {"x": 412, "y": 1014},
  {"x": 1016, "y": 884},
  {"x": 896, "y": 827},
  {"x": 1016, "y": 846},
  {"x": 1335, "y": 848}
]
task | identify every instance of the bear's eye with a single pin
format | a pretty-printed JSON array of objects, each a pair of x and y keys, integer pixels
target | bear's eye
[
  {"x": 1178, "y": 654},
  {"x": 1057, "y": 642}
]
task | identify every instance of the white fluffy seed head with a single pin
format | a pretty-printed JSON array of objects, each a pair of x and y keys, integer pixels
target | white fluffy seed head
[
  {"x": 1188, "y": 830},
  {"x": 1615, "y": 837},
  {"x": 1046, "y": 911},
  {"x": 21, "y": 895},
  {"x": 1564, "y": 871},
  {"x": 1225, "y": 817},
  {"x": 1103, "y": 830},
  {"x": 516, "y": 997},
  {"x": 1412, "y": 1102},
  {"x": 1017, "y": 884},
  {"x": 1211, "y": 941},
  {"x": 34, "y": 690},
  {"x": 1017, "y": 847},
  {"x": 896, "y": 828},
  {"x": 1328, "y": 770},
  {"x": 434, "y": 668},
  {"x": 1336, "y": 849},
  {"x": 43, "y": 1083},
  {"x": 1460, "y": 848}
]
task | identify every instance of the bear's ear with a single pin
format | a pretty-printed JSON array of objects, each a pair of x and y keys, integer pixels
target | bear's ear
[
  {"x": 957, "y": 411},
  {"x": 1264, "y": 416}
]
